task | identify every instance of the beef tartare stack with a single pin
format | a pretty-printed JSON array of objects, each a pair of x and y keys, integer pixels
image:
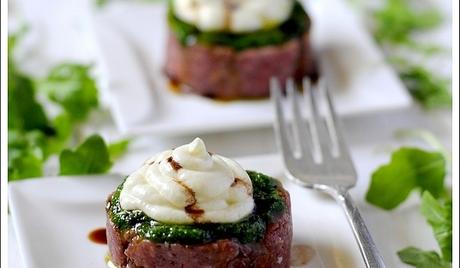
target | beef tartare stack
[
  {"x": 229, "y": 49},
  {"x": 189, "y": 208}
]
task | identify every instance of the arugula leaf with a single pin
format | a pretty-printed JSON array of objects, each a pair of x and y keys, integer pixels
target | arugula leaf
[
  {"x": 117, "y": 149},
  {"x": 439, "y": 216},
  {"x": 394, "y": 25},
  {"x": 430, "y": 90},
  {"x": 91, "y": 157},
  {"x": 72, "y": 86},
  {"x": 422, "y": 259},
  {"x": 25, "y": 154},
  {"x": 32, "y": 136},
  {"x": 397, "y": 20},
  {"x": 101, "y": 3},
  {"x": 409, "y": 169},
  {"x": 24, "y": 164},
  {"x": 24, "y": 112}
]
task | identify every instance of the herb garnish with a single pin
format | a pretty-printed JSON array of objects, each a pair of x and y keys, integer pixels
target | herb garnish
[
  {"x": 397, "y": 21},
  {"x": 395, "y": 26},
  {"x": 409, "y": 169},
  {"x": 91, "y": 157},
  {"x": 33, "y": 135}
]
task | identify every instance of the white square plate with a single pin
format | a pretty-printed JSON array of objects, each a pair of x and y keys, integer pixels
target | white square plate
[
  {"x": 53, "y": 216},
  {"x": 132, "y": 39}
]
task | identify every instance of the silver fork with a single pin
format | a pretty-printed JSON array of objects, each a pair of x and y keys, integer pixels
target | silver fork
[{"x": 316, "y": 156}]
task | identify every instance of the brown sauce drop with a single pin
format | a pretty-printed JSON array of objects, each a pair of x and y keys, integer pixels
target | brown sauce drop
[
  {"x": 301, "y": 254},
  {"x": 174, "y": 86},
  {"x": 98, "y": 236},
  {"x": 191, "y": 209},
  {"x": 191, "y": 194},
  {"x": 235, "y": 182},
  {"x": 175, "y": 165},
  {"x": 239, "y": 181},
  {"x": 194, "y": 212}
]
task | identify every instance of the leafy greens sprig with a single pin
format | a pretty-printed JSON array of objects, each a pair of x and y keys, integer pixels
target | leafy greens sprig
[
  {"x": 394, "y": 26},
  {"x": 33, "y": 135},
  {"x": 410, "y": 169}
]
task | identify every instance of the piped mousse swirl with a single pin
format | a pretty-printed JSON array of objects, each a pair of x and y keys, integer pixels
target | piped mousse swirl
[
  {"x": 236, "y": 16},
  {"x": 189, "y": 185}
]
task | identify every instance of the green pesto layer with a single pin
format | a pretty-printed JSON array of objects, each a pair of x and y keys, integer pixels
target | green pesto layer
[
  {"x": 269, "y": 203},
  {"x": 295, "y": 26}
]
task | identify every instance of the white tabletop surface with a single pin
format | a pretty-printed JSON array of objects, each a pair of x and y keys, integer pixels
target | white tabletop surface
[{"x": 373, "y": 130}]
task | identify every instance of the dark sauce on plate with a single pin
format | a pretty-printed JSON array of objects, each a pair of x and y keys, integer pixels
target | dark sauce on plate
[{"x": 98, "y": 236}]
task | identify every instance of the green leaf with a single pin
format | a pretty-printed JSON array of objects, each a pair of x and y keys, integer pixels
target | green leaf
[
  {"x": 32, "y": 137},
  {"x": 24, "y": 164},
  {"x": 422, "y": 259},
  {"x": 409, "y": 169},
  {"x": 24, "y": 112},
  {"x": 118, "y": 149},
  {"x": 64, "y": 127},
  {"x": 91, "y": 157},
  {"x": 25, "y": 154},
  {"x": 431, "y": 91},
  {"x": 72, "y": 86},
  {"x": 439, "y": 216},
  {"x": 397, "y": 21}
]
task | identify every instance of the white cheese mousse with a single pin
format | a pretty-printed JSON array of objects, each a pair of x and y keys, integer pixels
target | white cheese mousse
[
  {"x": 236, "y": 16},
  {"x": 189, "y": 185}
]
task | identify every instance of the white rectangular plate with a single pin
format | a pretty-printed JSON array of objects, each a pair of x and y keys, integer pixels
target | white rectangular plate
[
  {"x": 53, "y": 216},
  {"x": 132, "y": 39}
]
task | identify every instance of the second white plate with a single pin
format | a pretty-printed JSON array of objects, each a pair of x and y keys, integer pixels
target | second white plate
[{"x": 132, "y": 38}]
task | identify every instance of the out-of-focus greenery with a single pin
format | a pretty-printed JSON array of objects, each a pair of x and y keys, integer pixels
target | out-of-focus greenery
[
  {"x": 71, "y": 86},
  {"x": 33, "y": 135},
  {"x": 422, "y": 259},
  {"x": 428, "y": 88},
  {"x": 91, "y": 157},
  {"x": 439, "y": 216},
  {"x": 394, "y": 26},
  {"x": 118, "y": 149},
  {"x": 397, "y": 21}
]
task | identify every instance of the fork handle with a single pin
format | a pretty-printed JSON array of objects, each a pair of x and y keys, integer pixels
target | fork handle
[{"x": 369, "y": 251}]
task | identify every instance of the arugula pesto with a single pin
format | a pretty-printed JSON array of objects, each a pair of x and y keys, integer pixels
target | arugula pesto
[
  {"x": 296, "y": 25},
  {"x": 268, "y": 204}
]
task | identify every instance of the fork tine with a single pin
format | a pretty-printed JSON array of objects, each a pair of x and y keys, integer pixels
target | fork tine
[
  {"x": 331, "y": 121},
  {"x": 336, "y": 135},
  {"x": 280, "y": 122},
  {"x": 300, "y": 127},
  {"x": 318, "y": 130}
]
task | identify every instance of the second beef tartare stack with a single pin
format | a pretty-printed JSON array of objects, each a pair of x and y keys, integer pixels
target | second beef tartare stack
[
  {"x": 189, "y": 208},
  {"x": 230, "y": 49}
]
